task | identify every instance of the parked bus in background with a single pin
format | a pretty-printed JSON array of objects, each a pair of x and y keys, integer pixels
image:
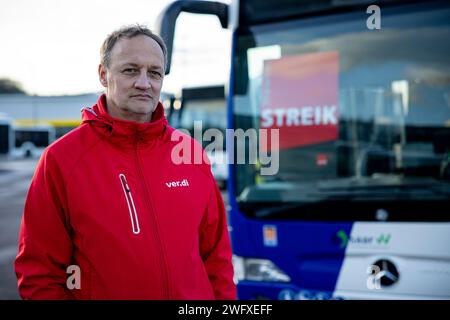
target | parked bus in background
[
  {"x": 6, "y": 135},
  {"x": 60, "y": 126},
  {"x": 204, "y": 108},
  {"x": 360, "y": 96},
  {"x": 31, "y": 141}
]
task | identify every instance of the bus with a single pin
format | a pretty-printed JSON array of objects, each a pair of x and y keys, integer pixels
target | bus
[
  {"x": 31, "y": 141},
  {"x": 6, "y": 135},
  {"x": 359, "y": 96},
  {"x": 203, "y": 108}
]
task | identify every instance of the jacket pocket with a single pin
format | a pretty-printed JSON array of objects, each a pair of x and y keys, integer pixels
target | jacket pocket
[{"x": 130, "y": 203}]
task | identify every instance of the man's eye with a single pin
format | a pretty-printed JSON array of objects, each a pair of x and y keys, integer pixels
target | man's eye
[
  {"x": 129, "y": 70},
  {"x": 155, "y": 74}
]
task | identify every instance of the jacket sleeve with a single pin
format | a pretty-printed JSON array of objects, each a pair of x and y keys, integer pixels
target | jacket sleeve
[
  {"x": 44, "y": 248},
  {"x": 215, "y": 248}
]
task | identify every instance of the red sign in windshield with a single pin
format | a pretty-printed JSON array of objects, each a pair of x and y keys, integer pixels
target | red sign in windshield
[{"x": 300, "y": 98}]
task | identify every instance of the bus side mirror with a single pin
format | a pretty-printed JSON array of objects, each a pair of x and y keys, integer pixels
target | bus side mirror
[{"x": 165, "y": 24}]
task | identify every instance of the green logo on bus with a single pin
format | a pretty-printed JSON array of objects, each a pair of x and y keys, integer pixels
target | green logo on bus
[
  {"x": 343, "y": 238},
  {"x": 384, "y": 239}
]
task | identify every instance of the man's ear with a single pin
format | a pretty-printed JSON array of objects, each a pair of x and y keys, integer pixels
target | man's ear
[{"x": 102, "y": 75}]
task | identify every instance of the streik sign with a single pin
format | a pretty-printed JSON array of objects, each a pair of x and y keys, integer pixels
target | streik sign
[{"x": 300, "y": 98}]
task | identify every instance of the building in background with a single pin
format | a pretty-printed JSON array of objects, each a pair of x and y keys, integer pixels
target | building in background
[{"x": 30, "y": 123}]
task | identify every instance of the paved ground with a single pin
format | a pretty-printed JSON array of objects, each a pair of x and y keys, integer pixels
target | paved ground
[{"x": 15, "y": 178}]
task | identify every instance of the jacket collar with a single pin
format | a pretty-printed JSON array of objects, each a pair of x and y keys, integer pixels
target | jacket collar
[{"x": 122, "y": 131}]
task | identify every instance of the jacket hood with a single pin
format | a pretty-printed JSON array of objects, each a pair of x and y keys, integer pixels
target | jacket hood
[{"x": 124, "y": 131}]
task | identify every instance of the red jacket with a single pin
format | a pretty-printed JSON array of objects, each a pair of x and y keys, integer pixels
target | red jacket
[{"x": 108, "y": 198}]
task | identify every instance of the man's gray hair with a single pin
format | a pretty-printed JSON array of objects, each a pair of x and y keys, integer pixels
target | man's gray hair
[{"x": 128, "y": 32}]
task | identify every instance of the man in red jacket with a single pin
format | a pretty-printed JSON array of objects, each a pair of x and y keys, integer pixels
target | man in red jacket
[{"x": 109, "y": 215}]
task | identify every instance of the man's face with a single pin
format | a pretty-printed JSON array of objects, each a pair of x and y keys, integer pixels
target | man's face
[{"x": 134, "y": 78}]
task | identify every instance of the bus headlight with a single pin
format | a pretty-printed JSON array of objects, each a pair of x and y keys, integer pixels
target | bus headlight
[{"x": 257, "y": 270}]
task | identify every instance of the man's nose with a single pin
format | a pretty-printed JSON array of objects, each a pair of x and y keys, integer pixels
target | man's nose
[{"x": 143, "y": 81}]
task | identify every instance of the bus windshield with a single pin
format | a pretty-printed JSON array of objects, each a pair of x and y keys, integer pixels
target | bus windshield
[{"x": 362, "y": 114}]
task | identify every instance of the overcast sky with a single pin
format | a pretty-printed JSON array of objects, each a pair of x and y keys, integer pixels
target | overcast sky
[{"x": 52, "y": 46}]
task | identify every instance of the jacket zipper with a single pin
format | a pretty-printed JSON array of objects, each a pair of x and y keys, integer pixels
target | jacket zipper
[
  {"x": 154, "y": 224},
  {"x": 131, "y": 207}
]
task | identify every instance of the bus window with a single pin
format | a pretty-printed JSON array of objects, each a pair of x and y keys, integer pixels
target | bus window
[{"x": 360, "y": 110}]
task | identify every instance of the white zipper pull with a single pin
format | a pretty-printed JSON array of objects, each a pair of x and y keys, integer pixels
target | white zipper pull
[{"x": 130, "y": 202}]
